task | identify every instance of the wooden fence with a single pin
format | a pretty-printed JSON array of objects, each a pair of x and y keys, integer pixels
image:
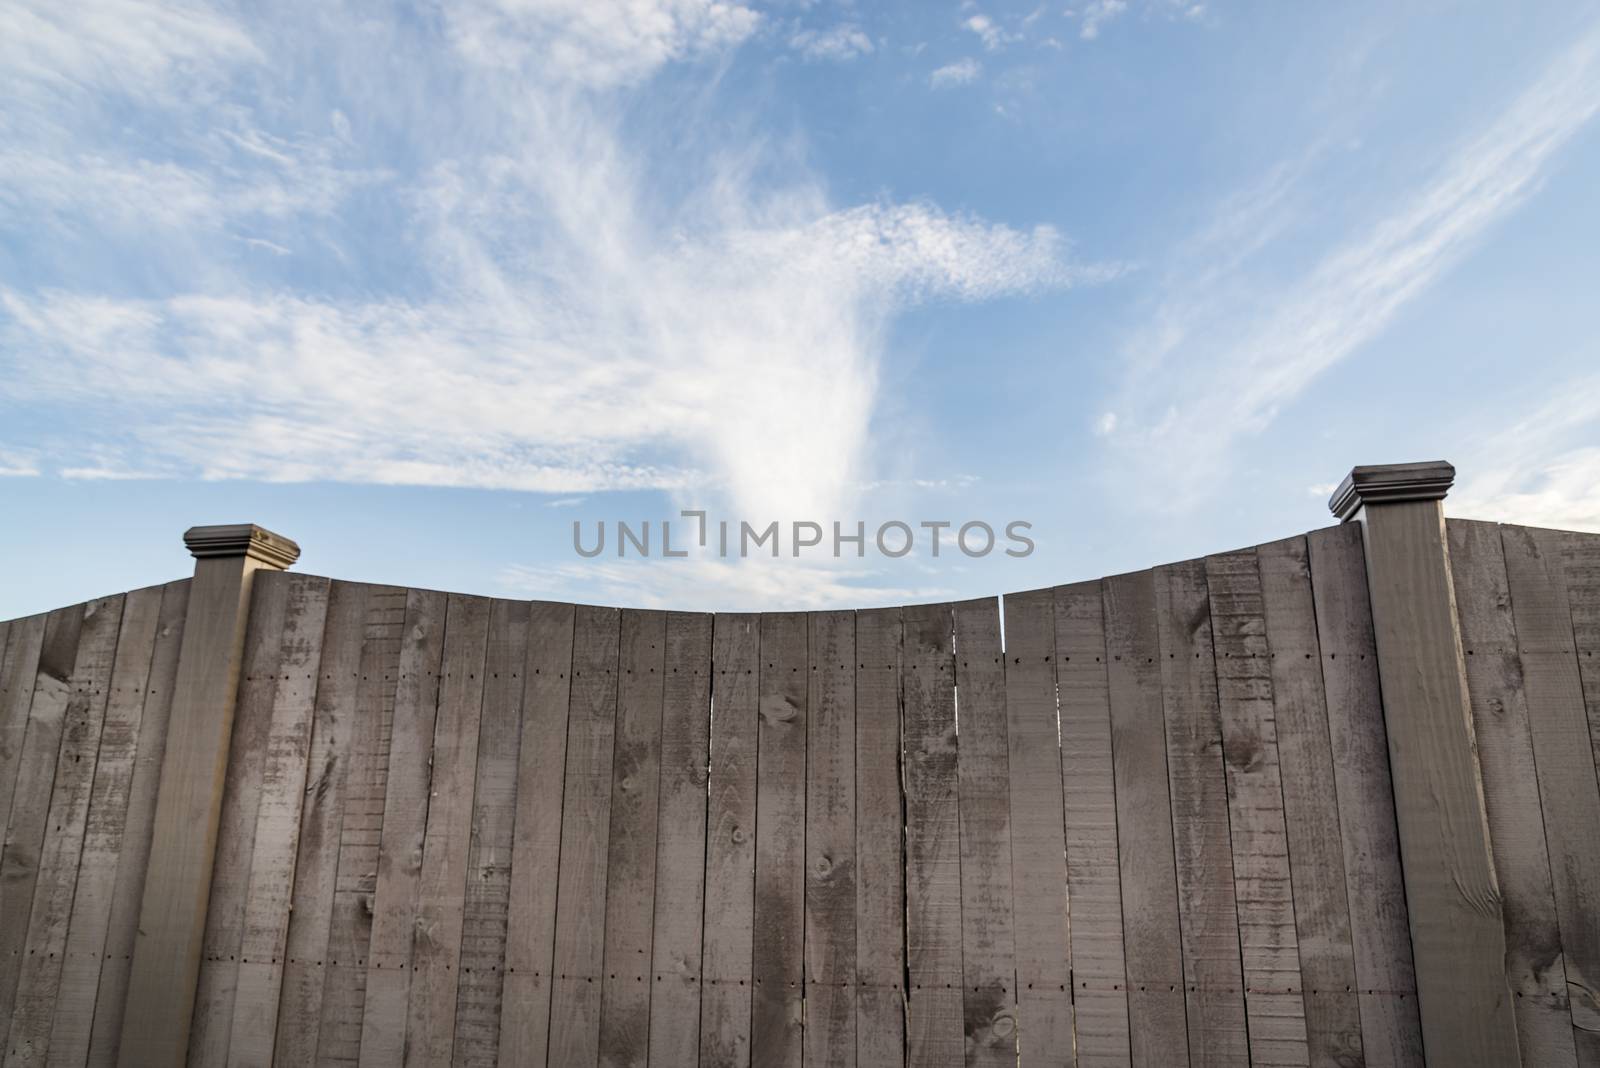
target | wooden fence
[{"x": 1173, "y": 817}]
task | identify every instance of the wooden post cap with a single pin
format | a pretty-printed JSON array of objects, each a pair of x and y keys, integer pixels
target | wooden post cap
[
  {"x": 242, "y": 539},
  {"x": 1390, "y": 484}
]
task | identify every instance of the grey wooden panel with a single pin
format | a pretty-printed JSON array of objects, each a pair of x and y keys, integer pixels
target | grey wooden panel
[
  {"x": 1038, "y": 832},
  {"x": 361, "y": 829},
  {"x": 1263, "y": 891},
  {"x": 270, "y": 887},
  {"x": 1090, "y": 804},
  {"x": 536, "y": 836},
  {"x": 1152, "y": 947},
  {"x": 61, "y": 849},
  {"x": 681, "y": 841},
  {"x": 1311, "y": 805},
  {"x": 585, "y": 840},
  {"x": 236, "y": 828},
  {"x": 24, "y": 639},
  {"x": 933, "y": 838},
  {"x": 880, "y": 861},
  {"x": 631, "y": 860},
  {"x": 134, "y": 855},
  {"x": 989, "y": 949},
  {"x": 1391, "y": 1031},
  {"x": 405, "y": 812},
  {"x": 483, "y": 930},
  {"x": 1580, "y": 553},
  {"x": 316, "y": 867},
  {"x": 1568, "y": 787},
  {"x": 1214, "y": 982},
  {"x": 777, "y": 962},
  {"x": 830, "y": 842},
  {"x": 79, "y": 983},
  {"x": 1534, "y": 965},
  {"x": 447, "y": 840},
  {"x": 730, "y": 842},
  {"x": 52, "y": 694}
]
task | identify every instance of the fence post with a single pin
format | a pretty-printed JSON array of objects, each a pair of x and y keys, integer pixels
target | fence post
[
  {"x": 1457, "y": 931},
  {"x": 172, "y": 914}
]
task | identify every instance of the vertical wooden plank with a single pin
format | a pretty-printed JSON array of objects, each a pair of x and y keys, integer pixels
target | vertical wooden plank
[
  {"x": 536, "y": 836},
  {"x": 880, "y": 859},
  {"x": 483, "y": 931},
  {"x": 52, "y": 693},
  {"x": 1208, "y": 915},
  {"x": 631, "y": 854},
  {"x": 361, "y": 829},
  {"x": 134, "y": 855},
  {"x": 1038, "y": 832},
  {"x": 103, "y": 829},
  {"x": 988, "y": 945},
  {"x": 442, "y": 878},
  {"x": 585, "y": 840},
  {"x": 1511, "y": 793},
  {"x": 236, "y": 828},
  {"x": 1311, "y": 806},
  {"x": 830, "y": 842},
  {"x": 681, "y": 841},
  {"x": 1563, "y": 758},
  {"x": 21, "y": 666},
  {"x": 1144, "y": 824},
  {"x": 1090, "y": 811},
  {"x": 316, "y": 868},
  {"x": 1580, "y": 555},
  {"x": 730, "y": 842},
  {"x": 933, "y": 839},
  {"x": 1263, "y": 890},
  {"x": 1391, "y": 1032},
  {"x": 56, "y": 875},
  {"x": 270, "y": 886},
  {"x": 777, "y": 962},
  {"x": 405, "y": 814}
]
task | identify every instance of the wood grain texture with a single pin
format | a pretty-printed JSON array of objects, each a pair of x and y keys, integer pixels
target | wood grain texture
[
  {"x": 988, "y": 947},
  {"x": 1038, "y": 834},
  {"x": 1391, "y": 1032},
  {"x": 681, "y": 841},
  {"x": 61, "y": 849},
  {"x": 933, "y": 839},
  {"x": 880, "y": 847},
  {"x": 361, "y": 829},
  {"x": 1580, "y": 556},
  {"x": 51, "y": 698},
  {"x": 778, "y": 953},
  {"x": 579, "y": 956},
  {"x": 1568, "y": 788},
  {"x": 1090, "y": 816},
  {"x": 446, "y": 845},
  {"x": 631, "y": 860},
  {"x": 405, "y": 815},
  {"x": 1202, "y": 851},
  {"x": 1156, "y": 1010},
  {"x": 483, "y": 925},
  {"x": 536, "y": 836},
  {"x": 1457, "y": 932},
  {"x": 134, "y": 854},
  {"x": 18, "y": 672},
  {"x": 316, "y": 867},
  {"x": 270, "y": 886},
  {"x": 1311, "y": 806},
  {"x": 1263, "y": 890},
  {"x": 830, "y": 841},
  {"x": 79, "y": 984},
  {"x": 730, "y": 842}
]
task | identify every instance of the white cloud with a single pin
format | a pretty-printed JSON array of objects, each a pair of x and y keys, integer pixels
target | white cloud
[
  {"x": 1097, "y": 13},
  {"x": 1542, "y": 471},
  {"x": 18, "y": 463},
  {"x": 961, "y": 72},
  {"x": 1225, "y": 370},
  {"x": 989, "y": 32},
  {"x": 839, "y": 44},
  {"x": 1106, "y": 424}
]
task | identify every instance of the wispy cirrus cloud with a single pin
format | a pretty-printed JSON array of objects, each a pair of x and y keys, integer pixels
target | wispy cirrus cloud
[
  {"x": 962, "y": 72},
  {"x": 1543, "y": 470},
  {"x": 838, "y": 44},
  {"x": 1213, "y": 366}
]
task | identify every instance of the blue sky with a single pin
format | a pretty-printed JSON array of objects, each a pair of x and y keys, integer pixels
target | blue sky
[{"x": 420, "y": 286}]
